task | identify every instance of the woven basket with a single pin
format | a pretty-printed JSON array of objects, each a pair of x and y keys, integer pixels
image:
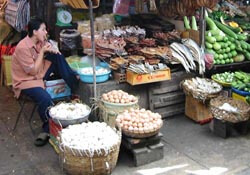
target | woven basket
[
  {"x": 140, "y": 135},
  {"x": 75, "y": 162},
  {"x": 109, "y": 113},
  {"x": 242, "y": 115},
  {"x": 198, "y": 94}
]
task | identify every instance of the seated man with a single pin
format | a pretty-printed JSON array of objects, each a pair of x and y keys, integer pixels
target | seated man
[{"x": 33, "y": 61}]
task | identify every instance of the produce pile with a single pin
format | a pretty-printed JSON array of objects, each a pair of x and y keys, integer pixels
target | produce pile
[
  {"x": 226, "y": 77},
  {"x": 119, "y": 96},
  {"x": 139, "y": 121},
  {"x": 241, "y": 81},
  {"x": 226, "y": 45},
  {"x": 201, "y": 88},
  {"x": 69, "y": 111},
  {"x": 89, "y": 138}
]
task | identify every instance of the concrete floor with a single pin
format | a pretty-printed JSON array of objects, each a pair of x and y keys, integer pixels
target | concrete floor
[{"x": 189, "y": 148}]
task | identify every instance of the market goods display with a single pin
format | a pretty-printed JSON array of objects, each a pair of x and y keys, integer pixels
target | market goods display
[
  {"x": 229, "y": 109},
  {"x": 201, "y": 88},
  {"x": 241, "y": 81},
  {"x": 119, "y": 96},
  {"x": 89, "y": 71},
  {"x": 69, "y": 113},
  {"x": 89, "y": 148},
  {"x": 86, "y": 74},
  {"x": 139, "y": 123},
  {"x": 125, "y": 31},
  {"x": 226, "y": 45},
  {"x": 225, "y": 79},
  {"x": 108, "y": 47}
]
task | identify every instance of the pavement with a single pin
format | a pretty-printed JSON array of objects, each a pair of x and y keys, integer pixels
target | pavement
[{"x": 189, "y": 148}]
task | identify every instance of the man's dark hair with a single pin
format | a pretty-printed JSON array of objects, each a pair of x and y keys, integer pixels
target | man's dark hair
[{"x": 34, "y": 24}]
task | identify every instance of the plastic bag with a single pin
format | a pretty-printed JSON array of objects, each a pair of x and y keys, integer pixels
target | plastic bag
[{"x": 121, "y": 7}]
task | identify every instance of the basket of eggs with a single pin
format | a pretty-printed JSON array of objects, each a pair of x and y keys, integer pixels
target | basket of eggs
[
  {"x": 118, "y": 98},
  {"x": 139, "y": 123}
]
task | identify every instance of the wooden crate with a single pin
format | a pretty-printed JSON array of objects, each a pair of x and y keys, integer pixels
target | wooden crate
[{"x": 197, "y": 110}]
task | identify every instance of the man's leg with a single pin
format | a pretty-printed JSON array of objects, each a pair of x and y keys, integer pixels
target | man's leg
[
  {"x": 61, "y": 67},
  {"x": 43, "y": 100}
]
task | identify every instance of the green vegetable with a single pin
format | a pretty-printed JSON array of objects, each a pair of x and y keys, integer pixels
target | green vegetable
[
  {"x": 208, "y": 45},
  {"x": 216, "y": 15},
  {"x": 216, "y": 46},
  {"x": 215, "y": 32},
  {"x": 234, "y": 53},
  {"x": 231, "y": 39},
  {"x": 226, "y": 30},
  {"x": 244, "y": 45},
  {"x": 225, "y": 39},
  {"x": 242, "y": 37},
  {"x": 247, "y": 55},
  {"x": 234, "y": 29},
  {"x": 211, "y": 24},
  {"x": 194, "y": 24},
  {"x": 239, "y": 58},
  {"x": 232, "y": 46},
  {"x": 219, "y": 37},
  {"x": 186, "y": 23},
  {"x": 210, "y": 39}
]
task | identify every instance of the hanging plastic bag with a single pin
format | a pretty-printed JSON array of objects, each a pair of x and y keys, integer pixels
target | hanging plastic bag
[{"x": 121, "y": 7}]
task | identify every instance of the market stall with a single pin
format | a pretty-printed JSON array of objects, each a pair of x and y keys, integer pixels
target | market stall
[{"x": 139, "y": 67}]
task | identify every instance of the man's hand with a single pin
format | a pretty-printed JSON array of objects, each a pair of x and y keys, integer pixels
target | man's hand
[{"x": 49, "y": 48}]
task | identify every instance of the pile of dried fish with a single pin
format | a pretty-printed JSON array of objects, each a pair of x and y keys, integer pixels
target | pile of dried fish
[
  {"x": 147, "y": 42},
  {"x": 187, "y": 53},
  {"x": 125, "y": 31},
  {"x": 106, "y": 48},
  {"x": 197, "y": 53},
  {"x": 201, "y": 88},
  {"x": 182, "y": 54},
  {"x": 165, "y": 38},
  {"x": 118, "y": 63},
  {"x": 161, "y": 51},
  {"x": 146, "y": 68}
]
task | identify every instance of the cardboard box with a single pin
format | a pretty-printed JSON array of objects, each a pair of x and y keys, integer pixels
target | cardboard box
[
  {"x": 135, "y": 79},
  {"x": 196, "y": 110}
]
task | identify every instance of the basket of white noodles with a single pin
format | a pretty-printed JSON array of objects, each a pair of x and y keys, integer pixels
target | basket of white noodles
[
  {"x": 89, "y": 148},
  {"x": 66, "y": 114}
]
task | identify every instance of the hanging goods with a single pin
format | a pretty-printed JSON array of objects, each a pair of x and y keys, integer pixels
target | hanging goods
[
  {"x": 70, "y": 39},
  {"x": 17, "y": 14},
  {"x": 81, "y": 4}
]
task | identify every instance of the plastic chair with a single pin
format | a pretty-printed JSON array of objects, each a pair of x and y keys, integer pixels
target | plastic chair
[{"x": 23, "y": 99}]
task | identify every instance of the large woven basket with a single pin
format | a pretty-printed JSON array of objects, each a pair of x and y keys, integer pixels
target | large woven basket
[
  {"x": 198, "y": 94},
  {"x": 108, "y": 113},
  {"x": 74, "y": 161},
  {"x": 243, "y": 113}
]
